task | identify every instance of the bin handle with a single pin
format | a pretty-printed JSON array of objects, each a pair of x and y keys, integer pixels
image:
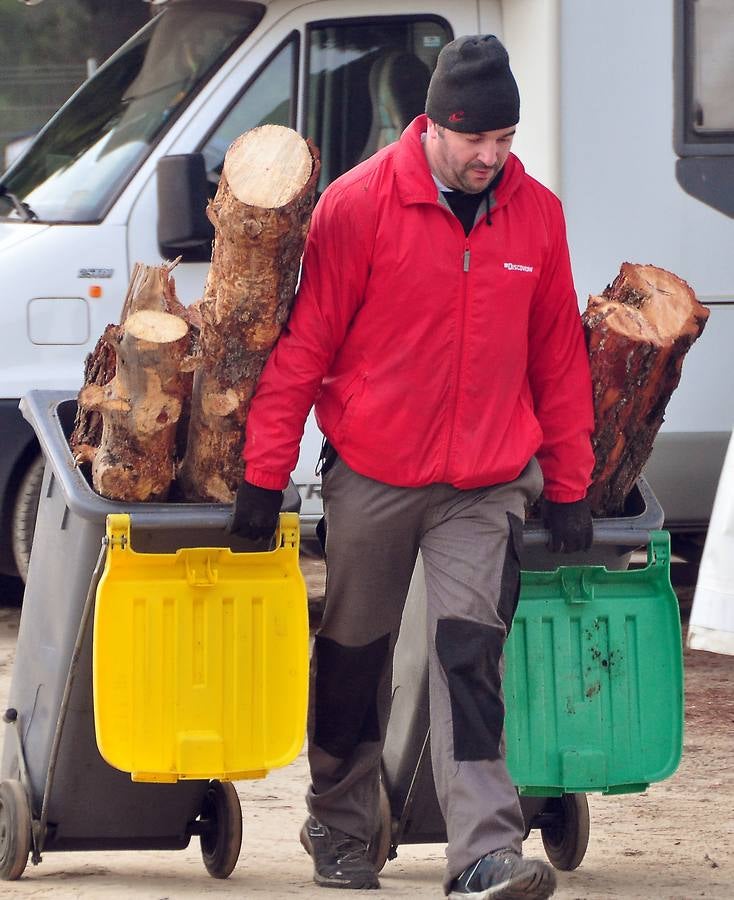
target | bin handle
[
  {"x": 199, "y": 569},
  {"x": 577, "y": 585},
  {"x": 658, "y": 550},
  {"x": 287, "y": 535}
]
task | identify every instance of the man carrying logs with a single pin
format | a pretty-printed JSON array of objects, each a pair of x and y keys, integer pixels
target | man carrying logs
[{"x": 437, "y": 332}]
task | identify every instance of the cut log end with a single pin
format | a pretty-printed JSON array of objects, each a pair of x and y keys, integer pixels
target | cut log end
[
  {"x": 646, "y": 303},
  {"x": 156, "y": 327},
  {"x": 268, "y": 166},
  {"x": 625, "y": 321}
]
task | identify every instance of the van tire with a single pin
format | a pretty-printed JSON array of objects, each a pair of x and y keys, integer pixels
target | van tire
[{"x": 24, "y": 514}]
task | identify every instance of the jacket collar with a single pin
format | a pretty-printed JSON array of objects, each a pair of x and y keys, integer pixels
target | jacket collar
[{"x": 413, "y": 179}]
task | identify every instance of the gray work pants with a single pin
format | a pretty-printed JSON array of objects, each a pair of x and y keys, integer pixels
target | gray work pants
[{"x": 469, "y": 541}]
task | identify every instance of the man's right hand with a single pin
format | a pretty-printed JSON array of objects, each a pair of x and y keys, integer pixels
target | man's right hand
[{"x": 255, "y": 512}]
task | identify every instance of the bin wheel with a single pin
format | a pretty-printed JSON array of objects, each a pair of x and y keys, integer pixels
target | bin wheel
[
  {"x": 379, "y": 848},
  {"x": 221, "y": 837},
  {"x": 15, "y": 830},
  {"x": 565, "y": 841},
  {"x": 23, "y": 522}
]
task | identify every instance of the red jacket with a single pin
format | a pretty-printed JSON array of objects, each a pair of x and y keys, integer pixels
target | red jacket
[{"x": 430, "y": 356}]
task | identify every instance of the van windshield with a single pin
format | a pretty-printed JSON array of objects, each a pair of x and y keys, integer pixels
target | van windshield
[{"x": 95, "y": 143}]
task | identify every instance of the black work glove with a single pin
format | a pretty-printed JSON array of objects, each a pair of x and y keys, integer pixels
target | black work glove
[
  {"x": 255, "y": 512},
  {"x": 570, "y": 526}
]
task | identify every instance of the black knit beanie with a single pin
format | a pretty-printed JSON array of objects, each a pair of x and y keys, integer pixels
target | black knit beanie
[{"x": 472, "y": 88}]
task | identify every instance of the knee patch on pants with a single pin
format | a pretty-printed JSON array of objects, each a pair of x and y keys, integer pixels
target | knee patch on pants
[
  {"x": 469, "y": 653},
  {"x": 347, "y": 682}
]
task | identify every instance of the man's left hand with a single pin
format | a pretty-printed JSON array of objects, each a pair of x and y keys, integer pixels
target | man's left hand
[{"x": 570, "y": 526}]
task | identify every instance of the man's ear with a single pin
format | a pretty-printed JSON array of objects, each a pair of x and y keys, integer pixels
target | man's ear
[{"x": 433, "y": 129}]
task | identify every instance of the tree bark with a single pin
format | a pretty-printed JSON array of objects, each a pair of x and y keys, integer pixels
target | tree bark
[
  {"x": 140, "y": 406},
  {"x": 638, "y": 332},
  {"x": 260, "y": 215},
  {"x": 99, "y": 369}
]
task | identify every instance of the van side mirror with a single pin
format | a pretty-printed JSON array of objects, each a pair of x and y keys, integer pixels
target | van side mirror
[{"x": 183, "y": 193}]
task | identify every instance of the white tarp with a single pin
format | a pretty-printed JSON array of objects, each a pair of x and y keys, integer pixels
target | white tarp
[{"x": 711, "y": 624}]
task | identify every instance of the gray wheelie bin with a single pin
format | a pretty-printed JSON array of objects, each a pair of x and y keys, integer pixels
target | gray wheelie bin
[
  {"x": 57, "y": 792},
  {"x": 593, "y": 687}
]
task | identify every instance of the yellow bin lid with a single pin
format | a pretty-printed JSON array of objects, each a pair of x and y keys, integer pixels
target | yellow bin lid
[{"x": 200, "y": 658}]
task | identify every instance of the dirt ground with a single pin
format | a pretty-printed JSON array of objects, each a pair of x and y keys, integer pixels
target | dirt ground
[{"x": 673, "y": 842}]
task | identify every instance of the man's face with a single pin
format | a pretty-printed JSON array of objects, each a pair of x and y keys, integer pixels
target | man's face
[{"x": 467, "y": 162}]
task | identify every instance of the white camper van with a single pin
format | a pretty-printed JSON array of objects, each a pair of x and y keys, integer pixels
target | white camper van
[{"x": 626, "y": 114}]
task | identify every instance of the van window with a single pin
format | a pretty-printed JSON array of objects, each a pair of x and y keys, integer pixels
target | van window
[
  {"x": 367, "y": 80},
  {"x": 97, "y": 141},
  {"x": 269, "y": 98},
  {"x": 704, "y": 112},
  {"x": 709, "y": 76}
]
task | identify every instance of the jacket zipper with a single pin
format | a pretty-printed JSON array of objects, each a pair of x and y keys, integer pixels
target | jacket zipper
[{"x": 466, "y": 262}]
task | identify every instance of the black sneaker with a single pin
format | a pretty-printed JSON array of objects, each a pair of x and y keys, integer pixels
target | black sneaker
[
  {"x": 504, "y": 875},
  {"x": 339, "y": 860}
]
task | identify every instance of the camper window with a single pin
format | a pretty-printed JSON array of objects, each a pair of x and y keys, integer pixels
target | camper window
[
  {"x": 709, "y": 69},
  {"x": 704, "y": 113}
]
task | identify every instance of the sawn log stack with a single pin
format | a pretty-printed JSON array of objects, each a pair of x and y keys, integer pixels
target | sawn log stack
[{"x": 158, "y": 430}]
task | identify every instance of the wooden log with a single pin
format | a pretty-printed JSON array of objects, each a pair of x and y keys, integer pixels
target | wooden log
[
  {"x": 638, "y": 332},
  {"x": 260, "y": 215},
  {"x": 150, "y": 287},
  {"x": 141, "y": 405}
]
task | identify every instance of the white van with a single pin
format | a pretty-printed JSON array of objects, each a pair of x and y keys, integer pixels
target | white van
[{"x": 625, "y": 114}]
